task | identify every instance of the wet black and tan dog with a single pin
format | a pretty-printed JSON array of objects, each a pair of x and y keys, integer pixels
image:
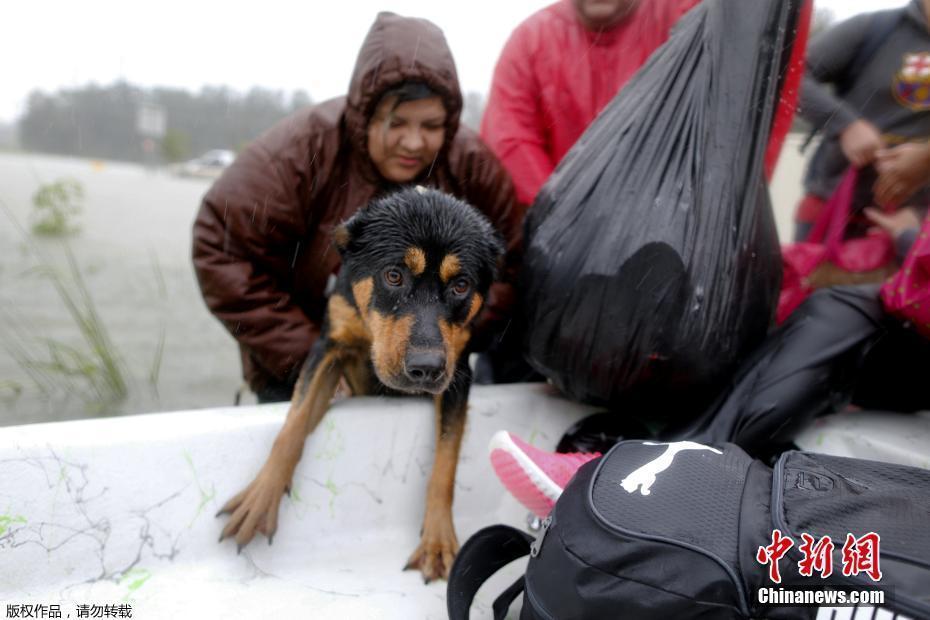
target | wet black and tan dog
[{"x": 417, "y": 266}]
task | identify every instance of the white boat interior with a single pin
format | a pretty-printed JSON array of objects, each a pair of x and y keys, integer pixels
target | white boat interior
[{"x": 121, "y": 510}]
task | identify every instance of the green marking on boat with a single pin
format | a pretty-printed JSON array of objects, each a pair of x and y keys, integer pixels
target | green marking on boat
[
  {"x": 205, "y": 497},
  {"x": 7, "y": 520},
  {"x": 333, "y": 444},
  {"x": 133, "y": 580},
  {"x": 334, "y": 491}
]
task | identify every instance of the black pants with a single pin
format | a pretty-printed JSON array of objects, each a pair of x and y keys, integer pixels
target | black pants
[
  {"x": 275, "y": 393},
  {"x": 838, "y": 347}
]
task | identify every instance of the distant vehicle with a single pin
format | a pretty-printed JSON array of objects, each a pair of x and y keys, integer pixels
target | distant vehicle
[{"x": 210, "y": 165}]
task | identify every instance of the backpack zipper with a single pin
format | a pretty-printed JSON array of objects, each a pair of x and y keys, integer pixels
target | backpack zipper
[{"x": 537, "y": 544}]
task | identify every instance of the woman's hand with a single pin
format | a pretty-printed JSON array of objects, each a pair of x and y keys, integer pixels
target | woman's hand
[
  {"x": 860, "y": 141},
  {"x": 894, "y": 223},
  {"x": 902, "y": 171}
]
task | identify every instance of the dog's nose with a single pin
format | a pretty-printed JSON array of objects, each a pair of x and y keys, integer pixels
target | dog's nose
[{"x": 425, "y": 366}]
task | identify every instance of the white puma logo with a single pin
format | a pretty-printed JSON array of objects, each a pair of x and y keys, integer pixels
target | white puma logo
[{"x": 644, "y": 477}]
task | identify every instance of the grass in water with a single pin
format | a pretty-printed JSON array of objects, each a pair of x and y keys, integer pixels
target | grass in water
[
  {"x": 93, "y": 370},
  {"x": 155, "y": 369},
  {"x": 55, "y": 205},
  {"x": 10, "y": 388},
  {"x": 98, "y": 365}
]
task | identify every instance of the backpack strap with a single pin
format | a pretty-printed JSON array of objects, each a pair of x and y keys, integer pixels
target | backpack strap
[
  {"x": 505, "y": 599},
  {"x": 482, "y": 555}
]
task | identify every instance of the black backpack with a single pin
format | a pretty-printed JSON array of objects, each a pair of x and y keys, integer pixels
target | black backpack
[{"x": 673, "y": 531}]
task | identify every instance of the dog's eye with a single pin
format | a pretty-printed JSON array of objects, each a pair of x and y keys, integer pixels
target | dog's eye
[
  {"x": 461, "y": 287},
  {"x": 393, "y": 277}
]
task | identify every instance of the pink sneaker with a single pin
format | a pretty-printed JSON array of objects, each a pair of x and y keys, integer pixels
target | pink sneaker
[{"x": 533, "y": 476}]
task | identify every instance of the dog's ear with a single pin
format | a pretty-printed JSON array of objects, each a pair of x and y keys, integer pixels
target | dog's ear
[
  {"x": 347, "y": 232},
  {"x": 499, "y": 252},
  {"x": 341, "y": 237},
  {"x": 496, "y": 249}
]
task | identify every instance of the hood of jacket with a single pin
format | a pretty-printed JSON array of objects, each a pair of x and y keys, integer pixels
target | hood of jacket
[{"x": 401, "y": 49}]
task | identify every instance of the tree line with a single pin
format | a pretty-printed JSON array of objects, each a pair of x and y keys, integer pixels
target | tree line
[{"x": 101, "y": 121}]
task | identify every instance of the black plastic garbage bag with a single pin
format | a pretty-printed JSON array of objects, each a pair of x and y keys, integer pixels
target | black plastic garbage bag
[{"x": 652, "y": 263}]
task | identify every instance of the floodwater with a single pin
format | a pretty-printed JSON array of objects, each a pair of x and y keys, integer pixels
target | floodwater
[{"x": 133, "y": 253}]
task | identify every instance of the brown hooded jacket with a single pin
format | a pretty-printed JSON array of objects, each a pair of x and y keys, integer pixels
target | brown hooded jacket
[{"x": 262, "y": 240}]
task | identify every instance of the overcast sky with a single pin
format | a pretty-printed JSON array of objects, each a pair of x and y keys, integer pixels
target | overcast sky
[{"x": 276, "y": 44}]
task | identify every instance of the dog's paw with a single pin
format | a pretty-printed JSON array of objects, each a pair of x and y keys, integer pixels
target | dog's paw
[
  {"x": 255, "y": 509},
  {"x": 436, "y": 552}
]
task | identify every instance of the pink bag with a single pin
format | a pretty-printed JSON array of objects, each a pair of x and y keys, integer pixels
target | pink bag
[
  {"x": 825, "y": 244},
  {"x": 906, "y": 295}
]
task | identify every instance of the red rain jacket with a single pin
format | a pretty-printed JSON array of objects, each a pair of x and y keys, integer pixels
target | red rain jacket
[{"x": 553, "y": 78}]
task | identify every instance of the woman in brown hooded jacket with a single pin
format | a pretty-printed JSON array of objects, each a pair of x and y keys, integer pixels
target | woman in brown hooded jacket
[{"x": 262, "y": 240}]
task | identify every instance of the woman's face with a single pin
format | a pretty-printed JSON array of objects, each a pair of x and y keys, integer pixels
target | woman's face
[{"x": 404, "y": 141}]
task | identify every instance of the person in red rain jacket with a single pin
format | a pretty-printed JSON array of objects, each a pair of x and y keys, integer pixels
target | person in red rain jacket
[{"x": 558, "y": 70}]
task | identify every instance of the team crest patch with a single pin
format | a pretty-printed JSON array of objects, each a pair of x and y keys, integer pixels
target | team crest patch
[{"x": 912, "y": 83}]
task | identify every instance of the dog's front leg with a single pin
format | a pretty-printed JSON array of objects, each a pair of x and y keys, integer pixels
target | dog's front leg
[
  {"x": 438, "y": 543},
  {"x": 255, "y": 509}
]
